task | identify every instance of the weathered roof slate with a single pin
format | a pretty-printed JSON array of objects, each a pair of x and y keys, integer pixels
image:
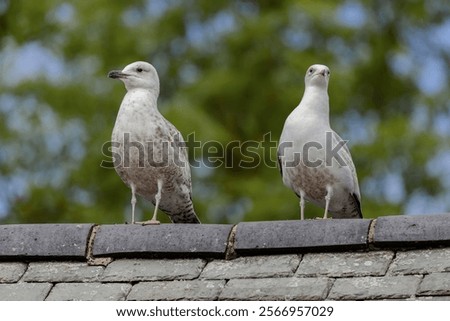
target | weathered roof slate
[{"x": 397, "y": 257}]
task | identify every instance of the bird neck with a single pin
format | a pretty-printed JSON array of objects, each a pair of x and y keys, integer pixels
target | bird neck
[
  {"x": 315, "y": 103},
  {"x": 149, "y": 97}
]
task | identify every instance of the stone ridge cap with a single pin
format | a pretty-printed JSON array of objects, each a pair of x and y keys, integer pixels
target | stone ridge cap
[{"x": 225, "y": 241}]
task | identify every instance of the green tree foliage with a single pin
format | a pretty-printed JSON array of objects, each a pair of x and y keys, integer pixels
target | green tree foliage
[{"x": 231, "y": 72}]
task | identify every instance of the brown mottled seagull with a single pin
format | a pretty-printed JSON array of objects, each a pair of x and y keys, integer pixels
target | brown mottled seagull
[
  {"x": 149, "y": 152},
  {"x": 314, "y": 161}
]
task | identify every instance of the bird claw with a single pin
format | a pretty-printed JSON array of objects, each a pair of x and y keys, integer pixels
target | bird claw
[{"x": 150, "y": 222}]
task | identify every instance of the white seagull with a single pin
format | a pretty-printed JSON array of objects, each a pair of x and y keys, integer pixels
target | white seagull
[
  {"x": 314, "y": 161},
  {"x": 148, "y": 151}
]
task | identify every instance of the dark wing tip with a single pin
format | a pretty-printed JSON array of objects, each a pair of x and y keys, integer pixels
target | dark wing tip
[
  {"x": 279, "y": 163},
  {"x": 358, "y": 205}
]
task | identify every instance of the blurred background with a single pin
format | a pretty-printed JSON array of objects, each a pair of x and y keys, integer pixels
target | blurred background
[{"x": 231, "y": 71}]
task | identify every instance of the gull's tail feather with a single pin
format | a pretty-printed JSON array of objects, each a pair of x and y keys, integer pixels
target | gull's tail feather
[
  {"x": 184, "y": 214},
  {"x": 352, "y": 208},
  {"x": 188, "y": 217}
]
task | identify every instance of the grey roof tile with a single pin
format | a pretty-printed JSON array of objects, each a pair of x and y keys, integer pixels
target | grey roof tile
[
  {"x": 421, "y": 261},
  {"x": 345, "y": 264},
  {"x": 435, "y": 284},
  {"x": 127, "y": 270},
  {"x": 301, "y": 236},
  {"x": 375, "y": 288},
  {"x": 412, "y": 231},
  {"x": 173, "y": 240},
  {"x": 11, "y": 271},
  {"x": 58, "y": 241},
  {"x": 62, "y": 272},
  {"x": 89, "y": 292},
  {"x": 177, "y": 290},
  {"x": 252, "y": 267},
  {"x": 275, "y": 289},
  {"x": 24, "y": 291}
]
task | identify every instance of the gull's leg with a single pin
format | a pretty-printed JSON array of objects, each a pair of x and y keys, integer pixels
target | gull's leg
[
  {"x": 154, "y": 221},
  {"x": 157, "y": 200},
  {"x": 133, "y": 201},
  {"x": 302, "y": 205},
  {"x": 327, "y": 200}
]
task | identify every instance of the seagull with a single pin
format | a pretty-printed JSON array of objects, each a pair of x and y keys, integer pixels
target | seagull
[
  {"x": 314, "y": 161},
  {"x": 148, "y": 151}
]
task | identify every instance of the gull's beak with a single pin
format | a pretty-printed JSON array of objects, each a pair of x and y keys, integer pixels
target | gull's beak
[
  {"x": 117, "y": 74},
  {"x": 323, "y": 72}
]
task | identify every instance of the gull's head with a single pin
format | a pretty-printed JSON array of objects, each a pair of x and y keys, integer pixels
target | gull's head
[
  {"x": 317, "y": 75},
  {"x": 139, "y": 74}
]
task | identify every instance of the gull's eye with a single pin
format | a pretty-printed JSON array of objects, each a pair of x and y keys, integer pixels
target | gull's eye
[
  {"x": 328, "y": 72},
  {"x": 139, "y": 70},
  {"x": 311, "y": 70}
]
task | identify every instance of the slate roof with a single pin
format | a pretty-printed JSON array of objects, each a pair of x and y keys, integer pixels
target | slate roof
[{"x": 393, "y": 257}]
